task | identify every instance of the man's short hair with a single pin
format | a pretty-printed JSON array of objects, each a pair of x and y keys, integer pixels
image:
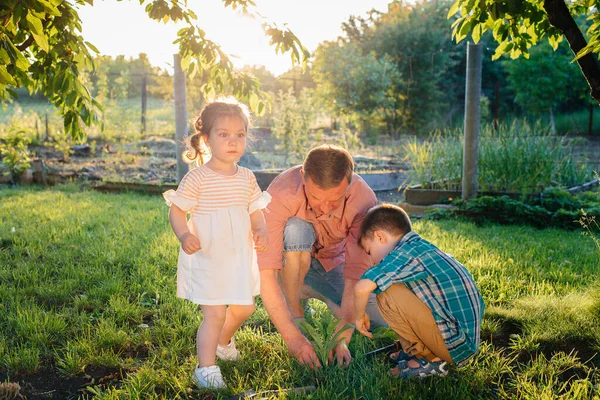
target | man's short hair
[
  {"x": 385, "y": 217},
  {"x": 327, "y": 165}
]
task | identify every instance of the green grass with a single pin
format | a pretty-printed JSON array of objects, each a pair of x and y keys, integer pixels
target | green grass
[{"x": 87, "y": 286}]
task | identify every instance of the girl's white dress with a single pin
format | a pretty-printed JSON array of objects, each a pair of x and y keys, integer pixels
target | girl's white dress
[{"x": 225, "y": 269}]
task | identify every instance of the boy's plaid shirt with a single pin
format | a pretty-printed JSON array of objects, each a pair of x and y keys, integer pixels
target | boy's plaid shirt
[{"x": 442, "y": 283}]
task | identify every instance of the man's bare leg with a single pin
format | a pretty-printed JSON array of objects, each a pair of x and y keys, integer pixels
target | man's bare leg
[
  {"x": 309, "y": 293},
  {"x": 292, "y": 277}
]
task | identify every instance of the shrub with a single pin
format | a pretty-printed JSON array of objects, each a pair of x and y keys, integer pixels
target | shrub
[{"x": 14, "y": 149}]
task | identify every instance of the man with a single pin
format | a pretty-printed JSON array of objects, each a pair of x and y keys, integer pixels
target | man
[{"x": 313, "y": 222}]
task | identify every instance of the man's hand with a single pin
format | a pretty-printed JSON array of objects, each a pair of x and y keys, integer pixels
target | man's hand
[
  {"x": 304, "y": 353},
  {"x": 190, "y": 243},
  {"x": 261, "y": 240},
  {"x": 363, "y": 324},
  {"x": 342, "y": 355}
]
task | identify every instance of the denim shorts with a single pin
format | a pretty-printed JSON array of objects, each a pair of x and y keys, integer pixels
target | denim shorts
[{"x": 299, "y": 235}]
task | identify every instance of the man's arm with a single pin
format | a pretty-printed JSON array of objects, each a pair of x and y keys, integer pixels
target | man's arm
[
  {"x": 284, "y": 205},
  {"x": 276, "y": 307},
  {"x": 342, "y": 353},
  {"x": 357, "y": 261}
]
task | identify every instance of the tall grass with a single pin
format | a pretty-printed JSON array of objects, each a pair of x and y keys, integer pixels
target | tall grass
[
  {"x": 87, "y": 289},
  {"x": 520, "y": 157},
  {"x": 121, "y": 121}
]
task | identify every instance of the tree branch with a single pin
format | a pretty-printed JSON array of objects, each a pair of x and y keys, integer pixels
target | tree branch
[
  {"x": 560, "y": 17},
  {"x": 25, "y": 44}
]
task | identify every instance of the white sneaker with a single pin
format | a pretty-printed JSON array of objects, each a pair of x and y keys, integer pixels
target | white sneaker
[
  {"x": 229, "y": 352},
  {"x": 208, "y": 377}
]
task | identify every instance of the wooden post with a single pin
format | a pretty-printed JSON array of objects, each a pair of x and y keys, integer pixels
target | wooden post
[
  {"x": 38, "y": 166},
  {"x": 144, "y": 103},
  {"x": 496, "y": 105},
  {"x": 472, "y": 122},
  {"x": 47, "y": 129},
  {"x": 180, "y": 117}
]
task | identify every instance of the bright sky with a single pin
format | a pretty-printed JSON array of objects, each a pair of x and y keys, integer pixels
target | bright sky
[{"x": 124, "y": 28}]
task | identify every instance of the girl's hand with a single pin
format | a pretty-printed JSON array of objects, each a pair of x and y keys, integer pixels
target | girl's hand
[
  {"x": 362, "y": 325},
  {"x": 261, "y": 240},
  {"x": 190, "y": 243}
]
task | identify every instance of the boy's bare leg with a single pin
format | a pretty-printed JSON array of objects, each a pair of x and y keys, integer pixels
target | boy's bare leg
[{"x": 292, "y": 277}]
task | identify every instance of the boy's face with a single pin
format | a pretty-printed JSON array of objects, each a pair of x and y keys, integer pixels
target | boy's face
[{"x": 379, "y": 245}]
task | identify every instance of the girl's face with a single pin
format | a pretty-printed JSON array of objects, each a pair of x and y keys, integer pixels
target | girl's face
[{"x": 227, "y": 140}]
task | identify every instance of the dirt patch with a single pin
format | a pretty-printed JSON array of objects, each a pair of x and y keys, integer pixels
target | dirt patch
[{"x": 48, "y": 384}]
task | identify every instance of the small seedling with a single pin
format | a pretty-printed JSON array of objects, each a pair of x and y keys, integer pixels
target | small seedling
[{"x": 322, "y": 336}]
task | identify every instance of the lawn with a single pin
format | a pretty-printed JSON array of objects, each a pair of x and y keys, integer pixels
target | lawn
[{"x": 88, "y": 308}]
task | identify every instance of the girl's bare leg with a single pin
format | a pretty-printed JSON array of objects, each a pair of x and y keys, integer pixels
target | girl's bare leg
[
  {"x": 208, "y": 334},
  {"x": 234, "y": 318}
]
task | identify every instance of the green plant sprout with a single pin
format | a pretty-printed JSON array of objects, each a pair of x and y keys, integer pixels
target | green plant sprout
[
  {"x": 589, "y": 223},
  {"x": 322, "y": 336}
]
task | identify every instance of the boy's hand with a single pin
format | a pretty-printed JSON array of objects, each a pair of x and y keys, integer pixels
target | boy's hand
[
  {"x": 363, "y": 324},
  {"x": 261, "y": 240},
  {"x": 190, "y": 243}
]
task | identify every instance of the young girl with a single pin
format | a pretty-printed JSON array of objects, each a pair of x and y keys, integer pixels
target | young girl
[{"x": 217, "y": 261}]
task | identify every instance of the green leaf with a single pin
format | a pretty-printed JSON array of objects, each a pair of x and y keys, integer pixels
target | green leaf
[
  {"x": 335, "y": 340},
  {"x": 454, "y": 9},
  {"x": 185, "y": 62},
  {"x": 49, "y": 7},
  {"x": 253, "y": 101},
  {"x": 476, "y": 34},
  {"x": 34, "y": 24},
  {"x": 261, "y": 109},
  {"x": 92, "y": 47},
  {"x": 466, "y": 27},
  {"x": 4, "y": 58},
  {"x": 22, "y": 62},
  {"x": 499, "y": 50},
  {"x": 42, "y": 41},
  {"x": 5, "y": 77}
]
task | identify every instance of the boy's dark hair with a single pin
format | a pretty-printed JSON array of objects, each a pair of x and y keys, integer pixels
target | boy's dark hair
[{"x": 385, "y": 217}]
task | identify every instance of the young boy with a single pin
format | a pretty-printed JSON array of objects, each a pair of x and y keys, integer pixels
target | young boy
[{"x": 427, "y": 297}]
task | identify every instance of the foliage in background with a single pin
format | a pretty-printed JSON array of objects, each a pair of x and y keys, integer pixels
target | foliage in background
[
  {"x": 557, "y": 80},
  {"x": 554, "y": 207},
  {"x": 292, "y": 120},
  {"x": 518, "y": 158},
  {"x": 519, "y": 25},
  {"x": 394, "y": 70},
  {"x": 14, "y": 149},
  {"x": 357, "y": 86},
  {"x": 44, "y": 52}
]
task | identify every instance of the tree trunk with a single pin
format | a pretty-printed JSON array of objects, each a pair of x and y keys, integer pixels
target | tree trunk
[
  {"x": 560, "y": 17},
  {"x": 552, "y": 125},
  {"x": 591, "y": 120}
]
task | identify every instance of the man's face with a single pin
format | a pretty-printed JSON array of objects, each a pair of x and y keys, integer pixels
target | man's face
[
  {"x": 323, "y": 201},
  {"x": 379, "y": 245}
]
